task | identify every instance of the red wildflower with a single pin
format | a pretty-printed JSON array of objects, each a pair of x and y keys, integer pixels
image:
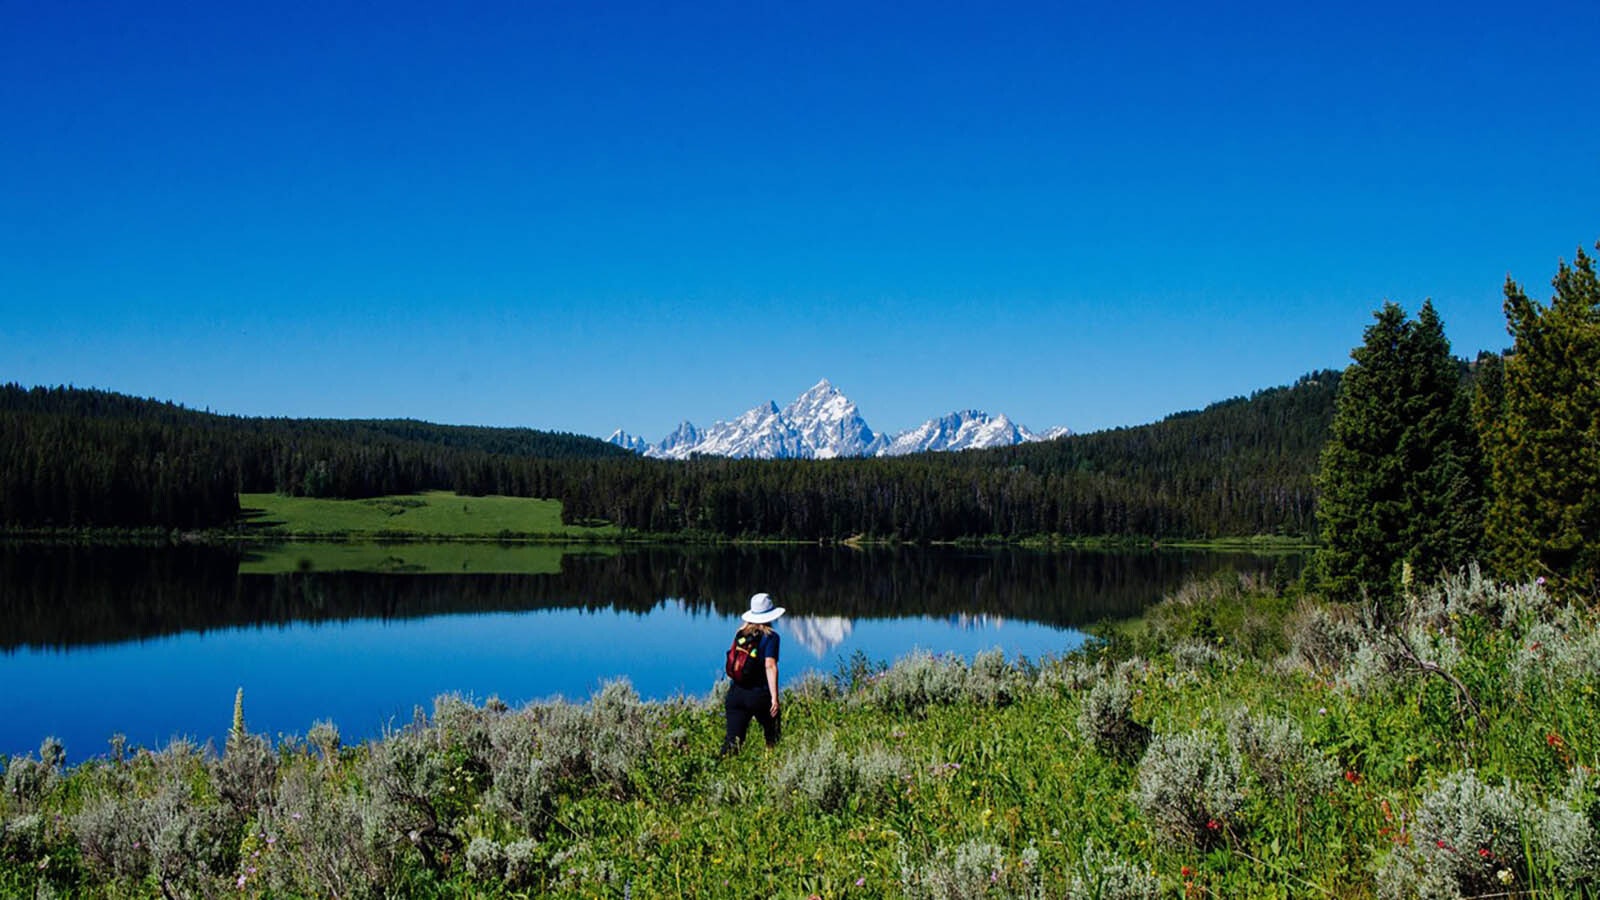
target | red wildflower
[
  {"x": 1186, "y": 871},
  {"x": 1483, "y": 852},
  {"x": 1353, "y": 777},
  {"x": 1553, "y": 739},
  {"x": 1213, "y": 824}
]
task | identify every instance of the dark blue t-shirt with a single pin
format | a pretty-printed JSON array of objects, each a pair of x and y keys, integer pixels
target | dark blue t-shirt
[{"x": 769, "y": 646}]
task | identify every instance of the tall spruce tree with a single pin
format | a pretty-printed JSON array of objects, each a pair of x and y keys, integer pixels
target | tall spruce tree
[
  {"x": 1544, "y": 442},
  {"x": 1442, "y": 527},
  {"x": 1361, "y": 487},
  {"x": 1397, "y": 486}
]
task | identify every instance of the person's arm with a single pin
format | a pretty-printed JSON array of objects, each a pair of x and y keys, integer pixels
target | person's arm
[{"x": 772, "y": 683}]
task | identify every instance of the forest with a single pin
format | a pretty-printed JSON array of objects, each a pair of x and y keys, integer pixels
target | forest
[{"x": 73, "y": 458}]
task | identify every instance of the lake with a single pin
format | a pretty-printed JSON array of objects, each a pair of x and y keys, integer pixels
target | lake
[{"x": 153, "y": 643}]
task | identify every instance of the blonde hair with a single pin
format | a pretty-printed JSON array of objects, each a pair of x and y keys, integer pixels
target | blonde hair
[{"x": 761, "y": 627}]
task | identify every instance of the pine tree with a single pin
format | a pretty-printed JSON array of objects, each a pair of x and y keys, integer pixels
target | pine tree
[
  {"x": 1544, "y": 445},
  {"x": 1399, "y": 483},
  {"x": 1442, "y": 526},
  {"x": 1361, "y": 483}
]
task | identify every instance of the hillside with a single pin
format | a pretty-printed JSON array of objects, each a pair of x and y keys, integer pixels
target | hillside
[
  {"x": 72, "y": 458},
  {"x": 75, "y": 458}
]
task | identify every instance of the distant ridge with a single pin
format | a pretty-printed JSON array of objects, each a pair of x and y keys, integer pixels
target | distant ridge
[{"x": 823, "y": 423}]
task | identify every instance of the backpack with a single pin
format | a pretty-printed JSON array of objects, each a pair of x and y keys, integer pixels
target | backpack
[{"x": 744, "y": 664}]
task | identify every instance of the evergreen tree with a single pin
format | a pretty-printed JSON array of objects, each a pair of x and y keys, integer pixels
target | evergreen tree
[
  {"x": 1362, "y": 482},
  {"x": 1544, "y": 446},
  {"x": 1442, "y": 526},
  {"x": 1399, "y": 478}
]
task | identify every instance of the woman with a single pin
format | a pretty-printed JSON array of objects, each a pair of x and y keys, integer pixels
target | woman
[{"x": 757, "y": 696}]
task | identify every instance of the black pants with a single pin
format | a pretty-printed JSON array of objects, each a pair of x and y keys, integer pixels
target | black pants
[{"x": 741, "y": 705}]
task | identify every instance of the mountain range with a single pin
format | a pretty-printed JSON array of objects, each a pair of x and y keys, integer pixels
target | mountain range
[{"x": 823, "y": 423}]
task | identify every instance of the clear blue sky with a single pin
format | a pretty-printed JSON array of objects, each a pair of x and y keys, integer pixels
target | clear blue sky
[{"x": 579, "y": 216}]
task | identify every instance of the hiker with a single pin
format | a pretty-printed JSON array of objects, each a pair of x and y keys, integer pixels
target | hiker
[{"x": 754, "y": 688}]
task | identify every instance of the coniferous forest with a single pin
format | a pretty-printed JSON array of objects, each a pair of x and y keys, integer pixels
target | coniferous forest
[{"x": 73, "y": 458}]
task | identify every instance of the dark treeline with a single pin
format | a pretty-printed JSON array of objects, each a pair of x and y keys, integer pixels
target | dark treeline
[
  {"x": 73, "y": 458},
  {"x": 57, "y": 596},
  {"x": 76, "y": 458},
  {"x": 1239, "y": 467}
]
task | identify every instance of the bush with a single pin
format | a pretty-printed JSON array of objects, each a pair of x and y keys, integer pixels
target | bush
[
  {"x": 1322, "y": 638},
  {"x": 918, "y": 681},
  {"x": 972, "y": 869},
  {"x": 182, "y": 842},
  {"x": 1277, "y": 754},
  {"x": 246, "y": 774},
  {"x": 830, "y": 777},
  {"x": 991, "y": 681},
  {"x": 327, "y": 840},
  {"x": 28, "y": 780},
  {"x": 1106, "y": 719},
  {"x": 1103, "y": 875},
  {"x": 1187, "y": 788},
  {"x": 1476, "y": 838}
]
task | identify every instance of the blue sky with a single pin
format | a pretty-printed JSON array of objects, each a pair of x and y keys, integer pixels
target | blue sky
[{"x": 579, "y": 216}]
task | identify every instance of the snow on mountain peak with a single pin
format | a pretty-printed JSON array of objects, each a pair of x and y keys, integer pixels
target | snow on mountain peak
[{"x": 822, "y": 423}]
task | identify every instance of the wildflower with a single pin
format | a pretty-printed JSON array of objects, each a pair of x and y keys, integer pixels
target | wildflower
[
  {"x": 1554, "y": 740},
  {"x": 861, "y": 882},
  {"x": 271, "y": 840},
  {"x": 1483, "y": 852},
  {"x": 1539, "y": 581},
  {"x": 1322, "y": 710},
  {"x": 295, "y": 816},
  {"x": 1213, "y": 824},
  {"x": 1185, "y": 871},
  {"x": 1505, "y": 876},
  {"x": 1352, "y": 776}
]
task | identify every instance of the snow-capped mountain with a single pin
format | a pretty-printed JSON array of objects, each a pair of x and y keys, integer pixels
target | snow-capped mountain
[
  {"x": 963, "y": 430},
  {"x": 823, "y": 423}
]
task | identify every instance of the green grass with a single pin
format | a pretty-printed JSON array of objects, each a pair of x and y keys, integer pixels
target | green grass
[
  {"x": 456, "y": 557},
  {"x": 432, "y": 514}
]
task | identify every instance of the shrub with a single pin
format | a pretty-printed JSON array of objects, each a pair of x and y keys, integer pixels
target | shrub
[
  {"x": 916, "y": 682},
  {"x": 830, "y": 777},
  {"x": 1322, "y": 638},
  {"x": 1192, "y": 655},
  {"x": 324, "y": 735},
  {"x": 1477, "y": 838},
  {"x": 991, "y": 681},
  {"x": 486, "y": 860},
  {"x": 246, "y": 774},
  {"x": 328, "y": 840},
  {"x": 173, "y": 836},
  {"x": 1106, "y": 719},
  {"x": 971, "y": 869},
  {"x": 28, "y": 780},
  {"x": 1187, "y": 788},
  {"x": 1277, "y": 754},
  {"x": 1103, "y": 875}
]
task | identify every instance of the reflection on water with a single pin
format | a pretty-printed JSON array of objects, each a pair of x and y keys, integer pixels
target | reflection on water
[
  {"x": 153, "y": 643},
  {"x": 819, "y": 634}
]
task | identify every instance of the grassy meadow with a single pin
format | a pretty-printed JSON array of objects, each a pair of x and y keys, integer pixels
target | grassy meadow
[
  {"x": 1239, "y": 743},
  {"x": 430, "y": 515}
]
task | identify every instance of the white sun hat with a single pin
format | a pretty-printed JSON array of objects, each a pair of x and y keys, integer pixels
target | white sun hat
[{"x": 762, "y": 610}]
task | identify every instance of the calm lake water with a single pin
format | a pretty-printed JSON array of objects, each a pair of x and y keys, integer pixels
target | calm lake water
[{"x": 153, "y": 644}]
